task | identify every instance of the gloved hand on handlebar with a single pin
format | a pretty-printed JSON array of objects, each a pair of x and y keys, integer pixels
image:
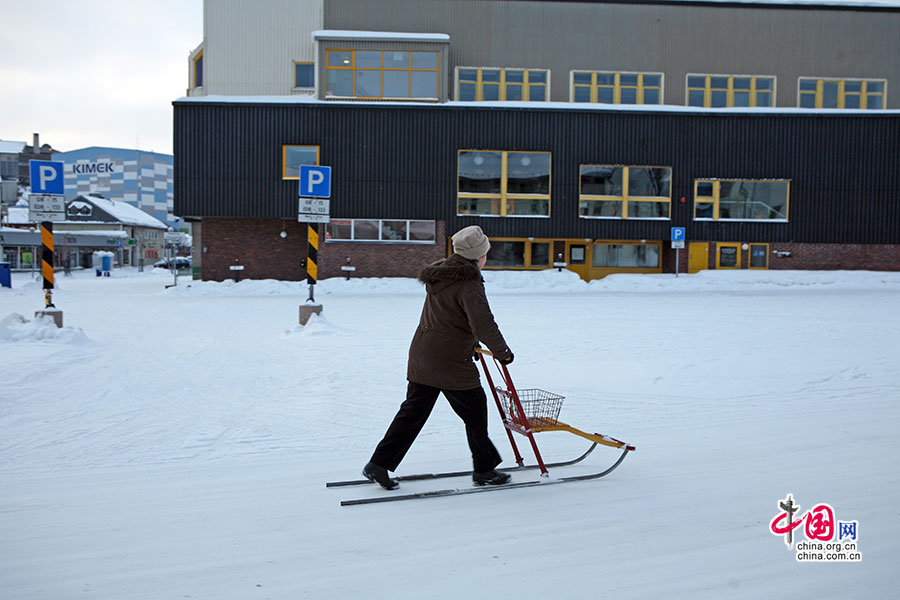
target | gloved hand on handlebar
[{"x": 508, "y": 360}]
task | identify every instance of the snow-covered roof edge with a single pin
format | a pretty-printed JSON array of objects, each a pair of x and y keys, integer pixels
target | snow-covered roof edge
[
  {"x": 124, "y": 212},
  {"x": 396, "y": 36},
  {"x": 583, "y": 106},
  {"x": 11, "y": 147}
]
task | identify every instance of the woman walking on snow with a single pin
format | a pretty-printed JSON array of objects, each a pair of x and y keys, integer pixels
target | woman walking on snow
[{"x": 455, "y": 317}]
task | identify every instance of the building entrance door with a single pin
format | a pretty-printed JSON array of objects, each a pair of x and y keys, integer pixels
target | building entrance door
[
  {"x": 577, "y": 257},
  {"x": 698, "y": 257},
  {"x": 728, "y": 256}
]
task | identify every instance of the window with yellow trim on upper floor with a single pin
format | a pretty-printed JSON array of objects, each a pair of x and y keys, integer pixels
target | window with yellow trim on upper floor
[
  {"x": 719, "y": 91},
  {"x": 197, "y": 70},
  {"x": 741, "y": 200},
  {"x": 828, "y": 92},
  {"x": 624, "y": 192},
  {"x": 293, "y": 156},
  {"x": 609, "y": 87},
  {"x": 382, "y": 74},
  {"x": 486, "y": 84},
  {"x": 304, "y": 75},
  {"x": 503, "y": 184}
]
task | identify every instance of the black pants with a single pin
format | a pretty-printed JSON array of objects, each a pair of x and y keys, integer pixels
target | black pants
[{"x": 470, "y": 405}]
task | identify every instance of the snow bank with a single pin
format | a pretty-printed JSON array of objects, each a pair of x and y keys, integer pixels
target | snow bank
[
  {"x": 558, "y": 282},
  {"x": 16, "y": 328}
]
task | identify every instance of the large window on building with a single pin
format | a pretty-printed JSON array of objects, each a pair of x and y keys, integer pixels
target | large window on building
[
  {"x": 616, "y": 88},
  {"x": 403, "y": 231},
  {"x": 292, "y": 157},
  {"x": 519, "y": 253},
  {"x": 480, "y": 84},
  {"x": 741, "y": 200},
  {"x": 817, "y": 92},
  {"x": 503, "y": 184},
  {"x": 625, "y": 255},
  {"x": 382, "y": 74},
  {"x": 624, "y": 192},
  {"x": 717, "y": 91}
]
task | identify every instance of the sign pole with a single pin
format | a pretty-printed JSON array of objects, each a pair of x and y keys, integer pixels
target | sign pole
[
  {"x": 312, "y": 260},
  {"x": 314, "y": 207},
  {"x": 47, "y": 262}
]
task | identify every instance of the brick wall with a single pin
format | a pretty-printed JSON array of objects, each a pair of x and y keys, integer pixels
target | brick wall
[
  {"x": 258, "y": 246},
  {"x": 825, "y": 257},
  {"x": 380, "y": 259},
  {"x": 809, "y": 257}
]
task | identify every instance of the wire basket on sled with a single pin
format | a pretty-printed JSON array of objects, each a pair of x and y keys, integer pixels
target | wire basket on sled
[
  {"x": 531, "y": 410},
  {"x": 540, "y": 408}
]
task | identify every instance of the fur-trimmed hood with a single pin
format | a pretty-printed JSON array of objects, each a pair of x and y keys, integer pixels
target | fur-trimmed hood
[{"x": 441, "y": 273}]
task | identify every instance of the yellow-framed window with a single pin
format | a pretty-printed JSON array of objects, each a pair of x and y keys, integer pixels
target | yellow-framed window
[
  {"x": 624, "y": 192},
  {"x": 826, "y": 92},
  {"x": 520, "y": 253},
  {"x": 382, "y": 74},
  {"x": 495, "y": 183},
  {"x": 304, "y": 74},
  {"x": 728, "y": 255},
  {"x": 293, "y": 156},
  {"x": 616, "y": 87},
  {"x": 741, "y": 199},
  {"x": 481, "y": 84},
  {"x": 622, "y": 255},
  {"x": 759, "y": 256},
  {"x": 718, "y": 91},
  {"x": 197, "y": 70}
]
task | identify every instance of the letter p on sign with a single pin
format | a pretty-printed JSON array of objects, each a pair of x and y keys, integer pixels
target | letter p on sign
[
  {"x": 47, "y": 177},
  {"x": 315, "y": 181}
]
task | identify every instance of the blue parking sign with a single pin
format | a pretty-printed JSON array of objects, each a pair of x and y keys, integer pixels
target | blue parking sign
[
  {"x": 315, "y": 181},
  {"x": 47, "y": 177},
  {"x": 678, "y": 234}
]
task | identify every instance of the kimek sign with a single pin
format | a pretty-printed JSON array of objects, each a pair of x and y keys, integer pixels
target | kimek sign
[{"x": 98, "y": 167}]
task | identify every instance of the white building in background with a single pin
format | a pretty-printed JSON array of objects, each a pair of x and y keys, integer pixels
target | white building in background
[{"x": 141, "y": 179}]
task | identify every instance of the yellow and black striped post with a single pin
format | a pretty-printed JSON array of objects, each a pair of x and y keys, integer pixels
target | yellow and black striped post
[
  {"x": 47, "y": 261},
  {"x": 312, "y": 259}
]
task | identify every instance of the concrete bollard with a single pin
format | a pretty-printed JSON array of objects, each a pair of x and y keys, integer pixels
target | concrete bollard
[
  {"x": 307, "y": 310},
  {"x": 56, "y": 314}
]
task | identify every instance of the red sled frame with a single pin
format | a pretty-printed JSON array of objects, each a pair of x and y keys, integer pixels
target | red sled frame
[{"x": 543, "y": 408}]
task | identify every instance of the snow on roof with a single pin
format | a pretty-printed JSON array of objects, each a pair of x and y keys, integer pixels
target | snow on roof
[
  {"x": 8, "y": 147},
  {"x": 584, "y": 106},
  {"x": 126, "y": 213},
  {"x": 18, "y": 215},
  {"x": 397, "y": 36}
]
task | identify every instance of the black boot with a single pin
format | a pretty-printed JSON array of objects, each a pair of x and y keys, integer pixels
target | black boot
[
  {"x": 492, "y": 477},
  {"x": 377, "y": 474}
]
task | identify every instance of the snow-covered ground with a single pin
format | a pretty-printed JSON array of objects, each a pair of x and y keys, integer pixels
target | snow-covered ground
[{"x": 175, "y": 443}]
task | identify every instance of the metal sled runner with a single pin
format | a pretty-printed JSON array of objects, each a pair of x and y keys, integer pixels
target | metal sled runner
[
  {"x": 530, "y": 411},
  {"x": 525, "y": 412}
]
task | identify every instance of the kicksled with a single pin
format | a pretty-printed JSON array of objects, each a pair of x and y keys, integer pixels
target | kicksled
[{"x": 524, "y": 412}]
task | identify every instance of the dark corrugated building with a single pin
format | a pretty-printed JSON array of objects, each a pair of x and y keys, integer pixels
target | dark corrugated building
[{"x": 566, "y": 148}]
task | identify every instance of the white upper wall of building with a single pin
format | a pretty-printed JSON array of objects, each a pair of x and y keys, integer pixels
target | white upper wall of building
[{"x": 251, "y": 47}]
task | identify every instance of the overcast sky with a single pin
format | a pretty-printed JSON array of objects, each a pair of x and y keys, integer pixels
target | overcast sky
[{"x": 95, "y": 72}]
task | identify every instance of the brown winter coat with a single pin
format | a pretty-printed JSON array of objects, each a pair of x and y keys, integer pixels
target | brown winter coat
[{"x": 456, "y": 316}]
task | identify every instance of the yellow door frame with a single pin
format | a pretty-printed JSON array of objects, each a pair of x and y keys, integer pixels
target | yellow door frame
[
  {"x": 698, "y": 256},
  {"x": 737, "y": 253},
  {"x": 765, "y": 253},
  {"x": 580, "y": 266}
]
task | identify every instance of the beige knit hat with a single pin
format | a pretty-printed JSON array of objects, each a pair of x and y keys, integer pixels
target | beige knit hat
[{"x": 471, "y": 242}]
